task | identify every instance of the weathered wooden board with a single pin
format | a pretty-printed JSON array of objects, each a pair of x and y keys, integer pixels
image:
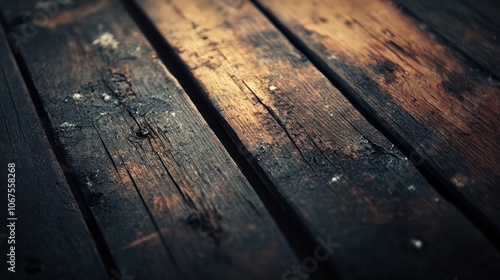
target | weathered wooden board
[
  {"x": 472, "y": 26},
  {"x": 328, "y": 165},
  {"x": 170, "y": 201},
  {"x": 51, "y": 238},
  {"x": 432, "y": 100}
]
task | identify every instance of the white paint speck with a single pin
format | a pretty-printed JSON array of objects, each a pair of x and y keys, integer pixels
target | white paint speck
[
  {"x": 77, "y": 96},
  {"x": 273, "y": 88},
  {"x": 436, "y": 199},
  {"x": 173, "y": 114},
  {"x": 411, "y": 188},
  {"x": 416, "y": 243},
  {"x": 67, "y": 125},
  {"x": 335, "y": 179},
  {"x": 106, "y": 40},
  {"x": 332, "y": 57},
  {"x": 106, "y": 97}
]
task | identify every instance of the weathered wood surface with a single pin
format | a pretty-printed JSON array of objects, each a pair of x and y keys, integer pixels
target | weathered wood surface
[
  {"x": 51, "y": 238},
  {"x": 472, "y": 26},
  {"x": 328, "y": 165},
  {"x": 170, "y": 201},
  {"x": 432, "y": 100}
]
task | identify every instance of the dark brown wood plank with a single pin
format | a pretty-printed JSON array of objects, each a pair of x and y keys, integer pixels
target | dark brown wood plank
[
  {"x": 170, "y": 201},
  {"x": 329, "y": 166},
  {"x": 429, "y": 97},
  {"x": 51, "y": 238},
  {"x": 471, "y": 26}
]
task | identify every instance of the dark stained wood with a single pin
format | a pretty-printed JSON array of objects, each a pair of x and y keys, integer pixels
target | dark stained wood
[
  {"x": 425, "y": 94},
  {"x": 473, "y": 26},
  {"x": 168, "y": 198},
  {"x": 52, "y": 240},
  {"x": 329, "y": 166}
]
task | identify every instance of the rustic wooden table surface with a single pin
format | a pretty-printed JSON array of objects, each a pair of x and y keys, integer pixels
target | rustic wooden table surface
[{"x": 263, "y": 139}]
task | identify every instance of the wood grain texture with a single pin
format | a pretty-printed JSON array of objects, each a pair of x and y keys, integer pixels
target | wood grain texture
[
  {"x": 168, "y": 198},
  {"x": 425, "y": 94},
  {"x": 472, "y": 26},
  {"x": 52, "y": 240},
  {"x": 329, "y": 166}
]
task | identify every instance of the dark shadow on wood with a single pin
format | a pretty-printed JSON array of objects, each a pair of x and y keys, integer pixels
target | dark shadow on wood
[
  {"x": 68, "y": 173},
  {"x": 428, "y": 169},
  {"x": 300, "y": 238}
]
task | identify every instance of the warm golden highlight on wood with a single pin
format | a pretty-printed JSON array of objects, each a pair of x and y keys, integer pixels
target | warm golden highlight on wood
[
  {"x": 262, "y": 139},
  {"x": 442, "y": 105}
]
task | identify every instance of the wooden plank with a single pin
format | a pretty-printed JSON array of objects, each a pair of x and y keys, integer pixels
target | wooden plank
[
  {"x": 51, "y": 240},
  {"x": 432, "y": 100},
  {"x": 471, "y": 26},
  {"x": 328, "y": 165},
  {"x": 170, "y": 201}
]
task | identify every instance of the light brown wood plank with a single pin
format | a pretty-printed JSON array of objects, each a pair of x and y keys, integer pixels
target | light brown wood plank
[
  {"x": 329, "y": 166},
  {"x": 425, "y": 94},
  {"x": 471, "y": 26},
  {"x": 170, "y": 201}
]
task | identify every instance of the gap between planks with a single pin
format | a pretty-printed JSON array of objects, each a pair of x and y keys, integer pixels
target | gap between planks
[
  {"x": 301, "y": 239},
  {"x": 429, "y": 169},
  {"x": 264, "y": 226},
  {"x": 185, "y": 54}
]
